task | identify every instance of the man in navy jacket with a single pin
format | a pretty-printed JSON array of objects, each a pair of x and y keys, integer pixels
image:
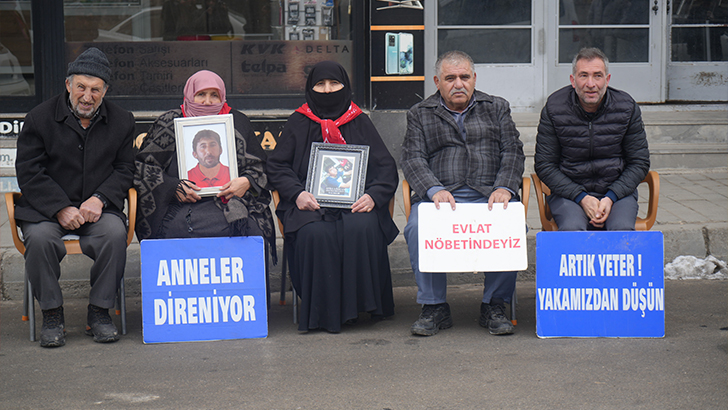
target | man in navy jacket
[
  {"x": 591, "y": 150},
  {"x": 74, "y": 166}
]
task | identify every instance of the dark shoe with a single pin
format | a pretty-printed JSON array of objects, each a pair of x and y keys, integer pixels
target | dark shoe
[
  {"x": 494, "y": 318},
  {"x": 100, "y": 325},
  {"x": 53, "y": 331},
  {"x": 432, "y": 319}
]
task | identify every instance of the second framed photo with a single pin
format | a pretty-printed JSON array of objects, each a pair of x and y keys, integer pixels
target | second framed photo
[
  {"x": 206, "y": 151},
  {"x": 337, "y": 173}
]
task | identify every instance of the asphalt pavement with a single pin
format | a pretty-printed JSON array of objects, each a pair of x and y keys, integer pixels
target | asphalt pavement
[{"x": 379, "y": 364}]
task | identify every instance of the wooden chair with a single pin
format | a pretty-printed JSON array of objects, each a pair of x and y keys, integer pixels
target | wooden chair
[
  {"x": 284, "y": 264},
  {"x": 73, "y": 246},
  {"x": 525, "y": 194},
  {"x": 643, "y": 224}
]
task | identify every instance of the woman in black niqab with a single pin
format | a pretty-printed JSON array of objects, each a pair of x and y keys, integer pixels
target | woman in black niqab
[
  {"x": 328, "y": 105},
  {"x": 338, "y": 258}
]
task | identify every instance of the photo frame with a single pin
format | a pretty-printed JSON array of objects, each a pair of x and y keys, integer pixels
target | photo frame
[
  {"x": 216, "y": 133},
  {"x": 337, "y": 173}
]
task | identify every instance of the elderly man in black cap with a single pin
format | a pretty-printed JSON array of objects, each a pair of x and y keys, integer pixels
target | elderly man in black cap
[{"x": 74, "y": 166}]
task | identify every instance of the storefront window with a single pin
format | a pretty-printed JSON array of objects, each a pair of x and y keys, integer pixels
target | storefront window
[
  {"x": 16, "y": 49},
  {"x": 700, "y": 30},
  {"x": 492, "y": 32},
  {"x": 620, "y": 28},
  {"x": 259, "y": 47}
]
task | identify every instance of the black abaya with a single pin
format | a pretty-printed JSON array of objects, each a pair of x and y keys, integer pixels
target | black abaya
[{"x": 339, "y": 260}]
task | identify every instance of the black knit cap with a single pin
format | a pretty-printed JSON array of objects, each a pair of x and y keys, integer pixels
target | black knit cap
[{"x": 92, "y": 62}]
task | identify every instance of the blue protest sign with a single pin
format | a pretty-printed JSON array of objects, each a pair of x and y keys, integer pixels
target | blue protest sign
[
  {"x": 600, "y": 284},
  {"x": 203, "y": 289}
]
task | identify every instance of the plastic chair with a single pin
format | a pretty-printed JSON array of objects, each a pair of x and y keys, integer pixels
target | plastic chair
[
  {"x": 284, "y": 264},
  {"x": 73, "y": 246},
  {"x": 525, "y": 194},
  {"x": 642, "y": 224}
]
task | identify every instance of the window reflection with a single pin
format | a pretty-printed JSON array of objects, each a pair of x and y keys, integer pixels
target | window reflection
[
  {"x": 486, "y": 44},
  {"x": 620, "y": 40},
  {"x": 201, "y": 20},
  {"x": 621, "y": 45},
  {"x": 490, "y": 46},
  {"x": 16, "y": 49},
  {"x": 587, "y": 12},
  {"x": 155, "y": 45},
  {"x": 484, "y": 12},
  {"x": 699, "y": 31}
]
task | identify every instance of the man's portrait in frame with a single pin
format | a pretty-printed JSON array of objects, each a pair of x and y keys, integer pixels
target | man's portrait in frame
[{"x": 206, "y": 151}]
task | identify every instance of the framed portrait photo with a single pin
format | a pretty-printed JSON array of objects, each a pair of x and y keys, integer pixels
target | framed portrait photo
[
  {"x": 206, "y": 151},
  {"x": 337, "y": 173}
]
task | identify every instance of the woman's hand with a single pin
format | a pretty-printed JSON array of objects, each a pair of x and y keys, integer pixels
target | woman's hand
[
  {"x": 363, "y": 204},
  {"x": 237, "y": 187},
  {"x": 186, "y": 192},
  {"x": 306, "y": 202}
]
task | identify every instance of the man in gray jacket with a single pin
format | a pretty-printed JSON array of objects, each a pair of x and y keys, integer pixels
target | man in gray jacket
[
  {"x": 74, "y": 166},
  {"x": 591, "y": 150},
  {"x": 461, "y": 146}
]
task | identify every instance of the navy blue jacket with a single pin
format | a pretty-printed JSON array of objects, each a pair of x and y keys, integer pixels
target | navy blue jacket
[{"x": 578, "y": 152}]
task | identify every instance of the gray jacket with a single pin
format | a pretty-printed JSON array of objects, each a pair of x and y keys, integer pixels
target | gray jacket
[{"x": 435, "y": 153}]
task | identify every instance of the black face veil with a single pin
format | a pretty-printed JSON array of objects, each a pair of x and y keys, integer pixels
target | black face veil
[{"x": 328, "y": 105}]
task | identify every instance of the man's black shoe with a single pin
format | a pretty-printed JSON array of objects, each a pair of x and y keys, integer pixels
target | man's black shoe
[
  {"x": 100, "y": 325},
  {"x": 53, "y": 331},
  {"x": 493, "y": 317},
  {"x": 432, "y": 319}
]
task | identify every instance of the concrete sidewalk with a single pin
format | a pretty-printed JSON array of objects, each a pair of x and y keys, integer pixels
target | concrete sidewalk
[
  {"x": 379, "y": 365},
  {"x": 692, "y": 214}
]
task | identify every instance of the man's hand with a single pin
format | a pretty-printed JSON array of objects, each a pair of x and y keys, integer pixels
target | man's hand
[
  {"x": 91, "y": 209},
  {"x": 596, "y": 210},
  {"x": 306, "y": 202},
  {"x": 237, "y": 187},
  {"x": 499, "y": 195},
  {"x": 190, "y": 194},
  {"x": 70, "y": 218},
  {"x": 443, "y": 196},
  {"x": 605, "y": 207},
  {"x": 363, "y": 204}
]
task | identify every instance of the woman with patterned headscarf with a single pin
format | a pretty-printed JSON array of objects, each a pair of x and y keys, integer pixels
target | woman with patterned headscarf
[
  {"x": 169, "y": 206},
  {"x": 338, "y": 257}
]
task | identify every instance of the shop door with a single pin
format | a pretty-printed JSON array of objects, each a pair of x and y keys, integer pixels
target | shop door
[
  {"x": 630, "y": 32},
  {"x": 505, "y": 39},
  {"x": 523, "y": 49},
  {"x": 698, "y": 65}
]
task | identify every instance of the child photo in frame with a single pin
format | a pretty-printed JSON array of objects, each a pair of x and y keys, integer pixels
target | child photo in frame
[
  {"x": 337, "y": 173},
  {"x": 336, "y": 176}
]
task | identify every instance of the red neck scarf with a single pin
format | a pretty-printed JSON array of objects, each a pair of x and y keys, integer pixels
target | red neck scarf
[{"x": 330, "y": 129}]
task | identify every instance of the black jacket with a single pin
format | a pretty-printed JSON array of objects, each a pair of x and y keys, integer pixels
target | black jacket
[
  {"x": 57, "y": 167},
  {"x": 594, "y": 153}
]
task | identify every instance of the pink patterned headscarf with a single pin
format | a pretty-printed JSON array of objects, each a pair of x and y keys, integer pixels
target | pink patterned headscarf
[{"x": 203, "y": 80}]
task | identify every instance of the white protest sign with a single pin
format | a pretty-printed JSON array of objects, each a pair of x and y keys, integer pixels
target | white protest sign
[{"x": 472, "y": 238}]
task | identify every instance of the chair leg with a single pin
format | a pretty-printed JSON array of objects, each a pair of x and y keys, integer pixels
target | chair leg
[
  {"x": 121, "y": 305},
  {"x": 295, "y": 306},
  {"x": 282, "y": 300},
  {"x": 31, "y": 308},
  {"x": 284, "y": 266},
  {"x": 514, "y": 301},
  {"x": 25, "y": 299},
  {"x": 267, "y": 273}
]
